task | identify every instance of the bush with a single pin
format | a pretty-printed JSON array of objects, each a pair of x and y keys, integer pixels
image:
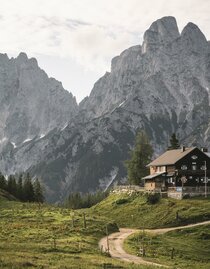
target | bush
[
  {"x": 121, "y": 201},
  {"x": 186, "y": 196},
  {"x": 112, "y": 227},
  {"x": 153, "y": 198},
  {"x": 204, "y": 236}
]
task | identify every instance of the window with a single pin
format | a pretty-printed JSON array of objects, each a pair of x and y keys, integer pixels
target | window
[
  {"x": 194, "y": 167},
  {"x": 170, "y": 180},
  {"x": 194, "y": 157},
  {"x": 161, "y": 169},
  {"x": 184, "y": 167}
]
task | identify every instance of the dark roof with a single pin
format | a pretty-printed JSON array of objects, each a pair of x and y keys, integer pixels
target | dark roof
[{"x": 170, "y": 157}]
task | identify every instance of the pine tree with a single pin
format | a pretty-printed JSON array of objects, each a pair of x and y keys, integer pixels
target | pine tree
[
  {"x": 38, "y": 192},
  {"x": 140, "y": 157},
  {"x": 174, "y": 142},
  {"x": 3, "y": 182},
  {"x": 28, "y": 190},
  {"x": 12, "y": 186},
  {"x": 20, "y": 188}
]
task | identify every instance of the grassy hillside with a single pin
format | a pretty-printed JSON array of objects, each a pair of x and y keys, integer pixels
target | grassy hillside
[
  {"x": 133, "y": 210},
  {"x": 34, "y": 236},
  {"x": 43, "y": 237},
  {"x": 191, "y": 247}
]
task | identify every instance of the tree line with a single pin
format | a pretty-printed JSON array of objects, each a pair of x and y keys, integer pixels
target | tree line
[
  {"x": 78, "y": 200},
  {"x": 23, "y": 188}
]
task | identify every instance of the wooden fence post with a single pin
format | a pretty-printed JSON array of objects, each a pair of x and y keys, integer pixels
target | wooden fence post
[{"x": 84, "y": 219}]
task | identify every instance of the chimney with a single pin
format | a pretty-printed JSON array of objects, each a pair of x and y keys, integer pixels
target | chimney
[
  {"x": 204, "y": 149},
  {"x": 183, "y": 148}
]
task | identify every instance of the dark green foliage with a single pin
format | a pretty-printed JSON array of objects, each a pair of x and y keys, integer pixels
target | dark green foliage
[
  {"x": 76, "y": 200},
  {"x": 112, "y": 227},
  {"x": 12, "y": 186},
  {"x": 153, "y": 198},
  {"x": 121, "y": 201},
  {"x": 3, "y": 183},
  {"x": 38, "y": 192},
  {"x": 23, "y": 189},
  {"x": 28, "y": 190},
  {"x": 140, "y": 157},
  {"x": 174, "y": 142},
  {"x": 186, "y": 196},
  {"x": 20, "y": 187}
]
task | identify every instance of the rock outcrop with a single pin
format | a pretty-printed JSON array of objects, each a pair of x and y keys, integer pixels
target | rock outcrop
[{"x": 31, "y": 103}]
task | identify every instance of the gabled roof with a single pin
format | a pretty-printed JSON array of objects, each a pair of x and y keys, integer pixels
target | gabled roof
[{"x": 170, "y": 157}]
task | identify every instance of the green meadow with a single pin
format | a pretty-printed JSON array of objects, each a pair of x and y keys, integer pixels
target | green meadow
[
  {"x": 33, "y": 236},
  {"x": 46, "y": 236},
  {"x": 184, "y": 248},
  {"x": 133, "y": 211}
]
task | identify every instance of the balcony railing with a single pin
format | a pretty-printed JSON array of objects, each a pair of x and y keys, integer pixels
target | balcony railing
[
  {"x": 192, "y": 172},
  {"x": 186, "y": 189}
]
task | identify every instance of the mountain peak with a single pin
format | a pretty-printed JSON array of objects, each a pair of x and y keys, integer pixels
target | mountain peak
[
  {"x": 163, "y": 30},
  {"x": 193, "y": 38},
  {"x": 22, "y": 57}
]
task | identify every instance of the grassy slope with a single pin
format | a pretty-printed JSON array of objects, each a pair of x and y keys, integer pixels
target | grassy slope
[
  {"x": 137, "y": 213},
  {"x": 28, "y": 234},
  {"x": 192, "y": 247}
]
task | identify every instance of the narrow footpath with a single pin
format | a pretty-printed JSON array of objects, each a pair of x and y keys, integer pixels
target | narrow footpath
[{"x": 116, "y": 241}]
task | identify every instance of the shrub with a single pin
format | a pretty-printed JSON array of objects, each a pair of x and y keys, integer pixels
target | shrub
[
  {"x": 112, "y": 227},
  {"x": 204, "y": 236},
  {"x": 153, "y": 198},
  {"x": 121, "y": 201},
  {"x": 186, "y": 196}
]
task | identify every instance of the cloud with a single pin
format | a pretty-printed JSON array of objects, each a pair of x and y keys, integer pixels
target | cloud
[{"x": 88, "y": 32}]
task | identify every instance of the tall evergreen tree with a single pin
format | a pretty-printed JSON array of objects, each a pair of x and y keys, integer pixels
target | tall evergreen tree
[
  {"x": 38, "y": 192},
  {"x": 20, "y": 187},
  {"x": 174, "y": 142},
  {"x": 12, "y": 186},
  {"x": 3, "y": 182},
  {"x": 28, "y": 190},
  {"x": 140, "y": 157}
]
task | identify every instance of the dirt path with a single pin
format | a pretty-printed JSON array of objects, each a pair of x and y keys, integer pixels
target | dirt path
[{"x": 116, "y": 243}]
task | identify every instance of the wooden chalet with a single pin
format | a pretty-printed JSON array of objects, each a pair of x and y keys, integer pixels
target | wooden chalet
[{"x": 180, "y": 172}]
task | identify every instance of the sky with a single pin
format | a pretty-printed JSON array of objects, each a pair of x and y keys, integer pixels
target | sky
[{"x": 75, "y": 40}]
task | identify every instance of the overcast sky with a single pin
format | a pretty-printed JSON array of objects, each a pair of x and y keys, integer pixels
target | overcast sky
[{"x": 75, "y": 40}]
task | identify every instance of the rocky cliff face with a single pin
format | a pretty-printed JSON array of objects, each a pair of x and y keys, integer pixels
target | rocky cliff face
[
  {"x": 31, "y": 104},
  {"x": 161, "y": 86}
]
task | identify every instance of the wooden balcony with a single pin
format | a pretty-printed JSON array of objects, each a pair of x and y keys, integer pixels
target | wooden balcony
[
  {"x": 192, "y": 172},
  {"x": 186, "y": 189}
]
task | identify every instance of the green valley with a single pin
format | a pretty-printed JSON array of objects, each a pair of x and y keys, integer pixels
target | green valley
[{"x": 44, "y": 236}]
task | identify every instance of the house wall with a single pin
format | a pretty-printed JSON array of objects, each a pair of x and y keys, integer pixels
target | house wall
[
  {"x": 152, "y": 185},
  {"x": 195, "y": 176},
  {"x": 149, "y": 186},
  {"x": 152, "y": 170},
  {"x": 157, "y": 169},
  {"x": 170, "y": 168}
]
